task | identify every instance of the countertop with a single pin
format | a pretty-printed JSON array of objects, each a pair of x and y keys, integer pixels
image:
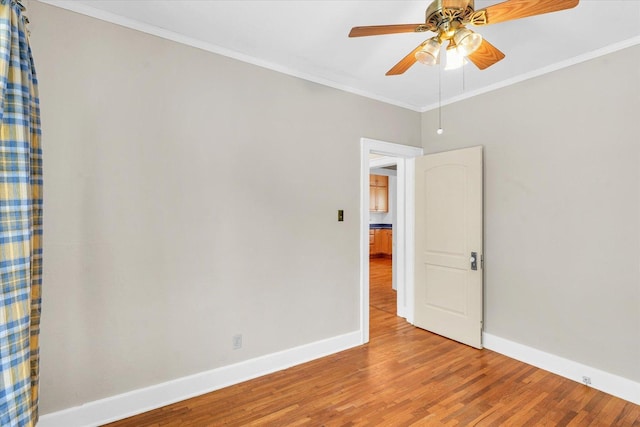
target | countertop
[{"x": 374, "y": 226}]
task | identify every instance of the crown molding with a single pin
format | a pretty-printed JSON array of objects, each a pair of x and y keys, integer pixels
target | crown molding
[
  {"x": 539, "y": 72},
  {"x": 209, "y": 47}
]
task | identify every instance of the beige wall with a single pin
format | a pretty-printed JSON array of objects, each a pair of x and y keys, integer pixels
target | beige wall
[
  {"x": 187, "y": 199},
  {"x": 562, "y": 198}
]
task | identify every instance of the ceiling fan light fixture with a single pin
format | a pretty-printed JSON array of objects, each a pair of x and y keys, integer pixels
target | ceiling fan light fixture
[
  {"x": 467, "y": 41},
  {"x": 430, "y": 52},
  {"x": 455, "y": 60}
]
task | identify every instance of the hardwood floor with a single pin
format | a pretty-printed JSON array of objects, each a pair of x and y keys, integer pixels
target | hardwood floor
[
  {"x": 404, "y": 377},
  {"x": 381, "y": 296}
]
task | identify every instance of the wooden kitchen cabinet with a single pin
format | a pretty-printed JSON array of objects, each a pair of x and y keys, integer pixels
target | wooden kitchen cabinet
[
  {"x": 372, "y": 237},
  {"x": 388, "y": 243},
  {"x": 378, "y": 193},
  {"x": 379, "y": 180},
  {"x": 380, "y": 243}
]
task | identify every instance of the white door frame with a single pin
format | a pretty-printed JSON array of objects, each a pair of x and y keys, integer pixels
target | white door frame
[{"x": 403, "y": 229}]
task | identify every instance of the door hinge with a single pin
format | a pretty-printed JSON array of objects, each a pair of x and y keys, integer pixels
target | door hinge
[{"x": 481, "y": 262}]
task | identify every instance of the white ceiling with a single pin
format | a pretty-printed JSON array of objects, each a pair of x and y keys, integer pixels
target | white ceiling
[{"x": 308, "y": 39}]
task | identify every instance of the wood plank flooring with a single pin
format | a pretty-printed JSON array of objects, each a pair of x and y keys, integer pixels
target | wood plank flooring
[
  {"x": 381, "y": 295},
  {"x": 404, "y": 377}
]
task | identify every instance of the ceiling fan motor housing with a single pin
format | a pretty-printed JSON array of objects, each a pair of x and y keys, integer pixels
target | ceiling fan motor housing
[{"x": 445, "y": 16}]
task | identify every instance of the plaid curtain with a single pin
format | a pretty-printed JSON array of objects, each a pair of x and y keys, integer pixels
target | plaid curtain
[{"x": 20, "y": 221}]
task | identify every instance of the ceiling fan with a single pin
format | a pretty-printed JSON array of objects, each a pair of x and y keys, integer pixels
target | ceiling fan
[{"x": 448, "y": 19}]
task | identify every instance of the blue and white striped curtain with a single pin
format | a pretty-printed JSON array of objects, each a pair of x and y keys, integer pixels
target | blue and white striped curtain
[{"x": 20, "y": 221}]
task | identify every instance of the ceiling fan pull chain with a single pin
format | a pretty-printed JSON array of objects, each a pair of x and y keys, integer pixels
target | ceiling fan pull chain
[{"x": 440, "y": 130}]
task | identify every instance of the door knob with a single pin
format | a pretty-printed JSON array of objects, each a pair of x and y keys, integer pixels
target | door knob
[{"x": 474, "y": 260}]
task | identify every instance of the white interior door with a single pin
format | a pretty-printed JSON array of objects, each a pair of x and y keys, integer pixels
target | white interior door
[{"x": 448, "y": 211}]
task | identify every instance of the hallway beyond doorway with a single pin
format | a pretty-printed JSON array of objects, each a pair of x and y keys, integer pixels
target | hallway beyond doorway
[{"x": 381, "y": 294}]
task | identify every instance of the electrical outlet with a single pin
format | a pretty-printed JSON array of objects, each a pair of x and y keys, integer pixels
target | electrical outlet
[
  {"x": 237, "y": 341},
  {"x": 586, "y": 380}
]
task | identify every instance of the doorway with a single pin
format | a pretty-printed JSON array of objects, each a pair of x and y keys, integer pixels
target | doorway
[
  {"x": 382, "y": 220},
  {"x": 401, "y": 156}
]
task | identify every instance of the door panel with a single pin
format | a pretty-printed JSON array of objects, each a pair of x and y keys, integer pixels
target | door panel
[
  {"x": 448, "y": 293},
  {"x": 445, "y": 191},
  {"x": 446, "y": 289}
]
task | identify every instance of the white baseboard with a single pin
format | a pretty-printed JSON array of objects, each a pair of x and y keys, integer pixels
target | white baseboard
[
  {"x": 600, "y": 380},
  {"x": 138, "y": 401}
]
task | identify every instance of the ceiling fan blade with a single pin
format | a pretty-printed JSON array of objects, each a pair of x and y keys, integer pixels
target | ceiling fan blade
[
  {"x": 406, "y": 62},
  {"x": 378, "y": 30},
  {"x": 516, "y": 9},
  {"x": 486, "y": 55}
]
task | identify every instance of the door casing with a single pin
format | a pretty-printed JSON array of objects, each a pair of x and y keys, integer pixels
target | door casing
[{"x": 404, "y": 229}]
